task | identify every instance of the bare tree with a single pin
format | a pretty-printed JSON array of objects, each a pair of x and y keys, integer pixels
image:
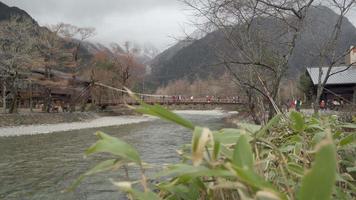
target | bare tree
[
  {"x": 260, "y": 37},
  {"x": 54, "y": 45},
  {"x": 77, "y": 35},
  {"x": 130, "y": 69},
  {"x": 329, "y": 57},
  {"x": 17, "y": 55}
]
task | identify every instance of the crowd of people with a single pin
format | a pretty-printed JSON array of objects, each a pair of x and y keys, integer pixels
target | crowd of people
[
  {"x": 296, "y": 104},
  {"x": 334, "y": 104},
  {"x": 209, "y": 99}
]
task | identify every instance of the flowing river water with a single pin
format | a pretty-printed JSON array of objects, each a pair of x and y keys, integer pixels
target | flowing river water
[{"x": 36, "y": 167}]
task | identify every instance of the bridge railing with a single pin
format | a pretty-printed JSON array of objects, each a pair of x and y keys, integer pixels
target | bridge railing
[{"x": 170, "y": 101}]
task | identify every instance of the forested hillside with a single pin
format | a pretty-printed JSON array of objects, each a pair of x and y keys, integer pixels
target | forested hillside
[{"x": 198, "y": 59}]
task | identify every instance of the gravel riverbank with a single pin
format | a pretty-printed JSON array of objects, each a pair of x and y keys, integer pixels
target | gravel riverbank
[
  {"x": 50, "y": 128},
  {"x": 8, "y": 120},
  {"x": 92, "y": 120}
]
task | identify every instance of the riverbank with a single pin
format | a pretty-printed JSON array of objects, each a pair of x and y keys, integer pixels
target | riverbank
[
  {"x": 56, "y": 122},
  {"x": 18, "y": 119},
  {"x": 25, "y": 117},
  {"x": 58, "y": 127},
  {"x": 39, "y": 118}
]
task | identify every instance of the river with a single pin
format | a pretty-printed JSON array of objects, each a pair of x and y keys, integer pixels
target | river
[{"x": 36, "y": 167}]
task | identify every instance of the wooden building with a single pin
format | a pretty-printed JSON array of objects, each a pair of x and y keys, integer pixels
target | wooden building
[
  {"x": 60, "y": 89},
  {"x": 340, "y": 86}
]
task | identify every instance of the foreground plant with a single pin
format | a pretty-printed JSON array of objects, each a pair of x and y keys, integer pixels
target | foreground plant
[{"x": 291, "y": 158}]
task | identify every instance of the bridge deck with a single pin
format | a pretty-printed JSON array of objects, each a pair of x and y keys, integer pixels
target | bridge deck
[{"x": 171, "y": 102}]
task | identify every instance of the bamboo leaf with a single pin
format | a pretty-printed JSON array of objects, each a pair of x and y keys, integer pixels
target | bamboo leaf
[
  {"x": 114, "y": 146},
  {"x": 216, "y": 150},
  {"x": 101, "y": 167},
  {"x": 227, "y": 135},
  {"x": 266, "y": 195},
  {"x": 148, "y": 195},
  {"x": 201, "y": 137},
  {"x": 298, "y": 121},
  {"x": 351, "y": 138},
  {"x": 319, "y": 182},
  {"x": 296, "y": 169},
  {"x": 251, "y": 128},
  {"x": 269, "y": 125},
  {"x": 349, "y": 125},
  {"x": 161, "y": 112},
  {"x": 189, "y": 171},
  {"x": 242, "y": 156},
  {"x": 252, "y": 179},
  {"x": 136, "y": 194}
]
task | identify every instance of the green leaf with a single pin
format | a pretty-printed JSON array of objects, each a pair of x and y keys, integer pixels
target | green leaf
[
  {"x": 266, "y": 195},
  {"x": 182, "y": 192},
  {"x": 227, "y": 135},
  {"x": 101, "y": 167},
  {"x": 351, "y": 169},
  {"x": 227, "y": 152},
  {"x": 319, "y": 182},
  {"x": 189, "y": 190},
  {"x": 216, "y": 150},
  {"x": 242, "y": 156},
  {"x": 251, "y": 178},
  {"x": 189, "y": 171},
  {"x": 319, "y": 136},
  {"x": 298, "y": 121},
  {"x": 148, "y": 195},
  {"x": 349, "y": 125},
  {"x": 269, "y": 125},
  {"x": 296, "y": 169},
  {"x": 115, "y": 146},
  {"x": 312, "y": 127},
  {"x": 201, "y": 137},
  {"x": 161, "y": 112},
  {"x": 351, "y": 138},
  {"x": 252, "y": 128}
]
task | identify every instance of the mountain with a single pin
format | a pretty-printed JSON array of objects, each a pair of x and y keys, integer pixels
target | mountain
[
  {"x": 197, "y": 59},
  {"x": 87, "y": 50},
  {"x": 6, "y": 12}
]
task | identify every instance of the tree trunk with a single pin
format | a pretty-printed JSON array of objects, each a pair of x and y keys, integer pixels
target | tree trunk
[
  {"x": 31, "y": 102},
  {"x": 252, "y": 108},
  {"x": 48, "y": 102},
  {"x": 13, "y": 105},
  {"x": 317, "y": 99},
  {"x": 271, "y": 111},
  {"x": 4, "y": 97},
  {"x": 354, "y": 96}
]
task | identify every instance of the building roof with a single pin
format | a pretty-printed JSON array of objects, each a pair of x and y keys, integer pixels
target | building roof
[{"x": 345, "y": 77}]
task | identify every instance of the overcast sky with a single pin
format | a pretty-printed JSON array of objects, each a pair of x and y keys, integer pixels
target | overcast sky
[{"x": 142, "y": 21}]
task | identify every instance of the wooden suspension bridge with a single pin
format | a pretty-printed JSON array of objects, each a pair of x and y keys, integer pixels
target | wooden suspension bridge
[{"x": 153, "y": 98}]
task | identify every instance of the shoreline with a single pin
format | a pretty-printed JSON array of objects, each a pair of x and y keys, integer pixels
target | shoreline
[
  {"x": 95, "y": 122},
  {"x": 60, "y": 127},
  {"x": 22, "y": 119}
]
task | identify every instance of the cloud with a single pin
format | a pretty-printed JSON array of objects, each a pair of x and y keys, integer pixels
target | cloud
[{"x": 152, "y": 21}]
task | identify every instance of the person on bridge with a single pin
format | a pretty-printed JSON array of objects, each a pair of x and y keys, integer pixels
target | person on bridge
[
  {"x": 322, "y": 105},
  {"x": 191, "y": 98},
  {"x": 292, "y": 104},
  {"x": 298, "y": 105}
]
